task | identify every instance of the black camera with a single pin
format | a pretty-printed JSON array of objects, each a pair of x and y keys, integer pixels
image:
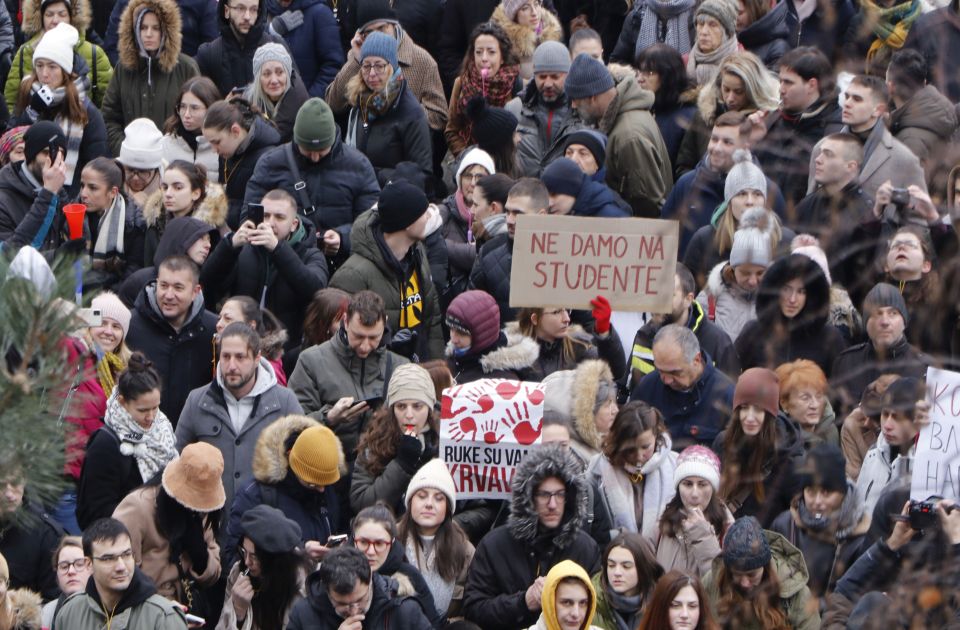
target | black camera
[
  {"x": 923, "y": 515},
  {"x": 900, "y": 197}
]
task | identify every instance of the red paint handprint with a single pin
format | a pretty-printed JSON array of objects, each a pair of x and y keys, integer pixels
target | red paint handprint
[
  {"x": 518, "y": 420},
  {"x": 508, "y": 389},
  {"x": 491, "y": 431}
]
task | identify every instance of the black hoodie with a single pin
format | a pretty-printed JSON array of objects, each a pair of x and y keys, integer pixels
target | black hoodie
[{"x": 387, "y": 611}]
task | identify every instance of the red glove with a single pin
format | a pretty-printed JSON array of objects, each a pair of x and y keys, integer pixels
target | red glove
[{"x": 601, "y": 314}]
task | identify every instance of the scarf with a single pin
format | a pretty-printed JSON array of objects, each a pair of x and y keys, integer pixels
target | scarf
[
  {"x": 152, "y": 449},
  {"x": 653, "y": 487},
  {"x": 74, "y": 134},
  {"x": 108, "y": 367},
  {"x": 676, "y": 14},
  {"x": 627, "y": 610},
  {"x": 890, "y": 26},
  {"x": 835, "y": 527},
  {"x": 496, "y": 90},
  {"x": 110, "y": 232},
  {"x": 425, "y": 559},
  {"x": 372, "y": 106},
  {"x": 465, "y": 213},
  {"x": 702, "y": 67}
]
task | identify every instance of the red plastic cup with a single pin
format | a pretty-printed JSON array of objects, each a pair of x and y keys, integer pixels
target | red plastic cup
[{"x": 75, "y": 213}]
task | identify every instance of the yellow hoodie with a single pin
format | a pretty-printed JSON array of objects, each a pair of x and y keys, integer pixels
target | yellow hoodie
[{"x": 561, "y": 571}]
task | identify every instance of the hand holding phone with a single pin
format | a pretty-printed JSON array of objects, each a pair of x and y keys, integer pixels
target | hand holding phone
[
  {"x": 335, "y": 540},
  {"x": 255, "y": 213}
]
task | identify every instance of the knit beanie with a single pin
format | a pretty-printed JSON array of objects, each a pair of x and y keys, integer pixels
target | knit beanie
[
  {"x": 141, "y": 148},
  {"x": 493, "y": 127},
  {"x": 10, "y": 139},
  {"x": 41, "y": 135},
  {"x": 587, "y": 77},
  {"x": 744, "y": 175},
  {"x": 401, "y": 204},
  {"x": 475, "y": 157},
  {"x": 902, "y": 395},
  {"x": 723, "y": 11},
  {"x": 698, "y": 461},
  {"x": 314, "y": 128},
  {"x": 475, "y": 313},
  {"x": 273, "y": 52},
  {"x": 111, "y": 307},
  {"x": 270, "y": 530},
  {"x": 563, "y": 177},
  {"x": 315, "y": 456},
  {"x": 411, "y": 382},
  {"x": 434, "y": 474},
  {"x": 381, "y": 45},
  {"x": 375, "y": 11},
  {"x": 512, "y": 7},
  {"x": 595, "y": 142},
  {"x": 881, "y": 295},
  {"x": 745, "y": 546},
  {"x": 751, "y": 241},
  {"x": 760, "y": 387},
  {"x": 809, "y": 246},
  {"x": 551, "y": 56},
  {"x": 57, "y": 44},
  {"x": 823, "y": 466}
]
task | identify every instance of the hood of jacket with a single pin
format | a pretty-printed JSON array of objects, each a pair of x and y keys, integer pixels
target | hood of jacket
[
  {"x": 519, "y": 352},
  {"x": 140, "y": 589},
  {"x": 596, "y": 199},
  {"x": 630, "y": 98},
  {"x": 270, "y": 461},
  {"x": 816, "y": 309},
  {"x": 26, "y": 607},
  {"x": 266, "y": 378},
  {"x": 927, "y": 109},
  {"x": 564, "y": 570},
  {"x": 552, "y": 461},
  {"x": 523, "y": 39},
  {"x": 787, "y": 561},
  {"x": 80, "y": 17},
  {"x": 170, "y": 25},
  {"x": 256, "y": 31},
  {"x": 770, "y": 27},
  {"x": 721, "y": 280},
  {"x": 572, "y": 395},
  {"x": 212, "y": 210},
  {"x": 180, "y": 234}
]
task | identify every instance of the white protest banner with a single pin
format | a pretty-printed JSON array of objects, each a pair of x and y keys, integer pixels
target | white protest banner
[
  {"x": 936, "y": 463},
  {"x": 566, "y": 261},
  {"x": 486, "y": 428}
]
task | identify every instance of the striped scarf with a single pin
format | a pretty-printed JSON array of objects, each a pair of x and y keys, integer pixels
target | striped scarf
[
  {"x": 110, "y": 230},
  {"x": 890, "y": 25},
  {"x": 74, "y": 134}
]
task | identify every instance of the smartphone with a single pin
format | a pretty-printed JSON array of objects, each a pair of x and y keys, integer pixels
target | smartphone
[
  {"x": 92, "y": 316},
  {"x": 372, "y": 402},
  {"x": 200, "y": 621},
  {"x": 255, "y": 213},
  {"x": 335, "y": 541}
]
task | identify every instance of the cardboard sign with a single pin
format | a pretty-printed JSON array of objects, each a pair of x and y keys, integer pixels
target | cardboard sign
[
  {"x": 565, "y": 261},
  {"x": 486, "y": 429},
  {"x": 936, "y": 463}
]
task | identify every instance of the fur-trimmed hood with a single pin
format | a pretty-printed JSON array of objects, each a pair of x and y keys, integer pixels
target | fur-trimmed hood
[
  {"x": 540, "y": 463},
  {"x": 270, "y": 463},
  {"x": 170, "y": 24},
  {"x": 80, "y": 17},
  {"x": 721, "y": 280},
  {"x": 518, "y": 353},
  {"x": 525, "y": 40},
  {"x": 26, "y": 606},
  {"x": 212, "y": 210},
  {"x": 573, "y": 395},
  {"x": 815, "y": 311}
]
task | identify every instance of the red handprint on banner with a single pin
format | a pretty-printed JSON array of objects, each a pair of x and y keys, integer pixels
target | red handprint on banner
[
  {"x": 492, "y": 411},
  {"x": 463, "y": 428},
  {"x": 492, "y": 431},
  {"x": 518, "y": 421}
]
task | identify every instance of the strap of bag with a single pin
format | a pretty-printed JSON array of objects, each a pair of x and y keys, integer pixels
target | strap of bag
[
  {"x": 94, "y": 88},
  {"x": 299, "y": 185}
]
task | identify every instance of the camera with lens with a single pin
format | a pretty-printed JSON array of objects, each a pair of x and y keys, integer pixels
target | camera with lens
[
  {"x": 923, "y": 515},
  {"x": 900, "y": 197}
]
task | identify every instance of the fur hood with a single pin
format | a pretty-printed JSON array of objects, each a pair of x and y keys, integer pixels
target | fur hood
[
  {"x": 213, "y": 209},
  {"x": 572, "y": 394},
  {"x": 170, "y": 24},
  {"x": 270, "y": 454},
  {"x": 540, "y": 463},
  {"x": 525, "y": 40},
  {"x": 815, "y": 311},
  {"x": 721, "y": 281},
  {"x": 26, "y": 609},
  {"x": 33, "y": 21},
  {"x": 520, "y": 352}
]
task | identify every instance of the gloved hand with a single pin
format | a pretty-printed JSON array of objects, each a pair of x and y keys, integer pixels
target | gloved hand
[
  {"x": 408, "y": 453},
  {"x": 601, "y": 314},
  {"x": 194, "y": 544},
  {"x": 286, "y": 22}
]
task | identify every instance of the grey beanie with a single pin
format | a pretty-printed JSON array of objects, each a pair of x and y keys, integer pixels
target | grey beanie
[
  {"x": 273, "y": 52},
  {"x": 723, "y": 11},
  {"x": 587, "y": 77},
  {"x": 751, "y": 241},
  {"x": 745, "y": 546},
  {"x": 744, "y": 175},
  {"x": 883, "y": 294},
  {"x": 551, "y": 57}
]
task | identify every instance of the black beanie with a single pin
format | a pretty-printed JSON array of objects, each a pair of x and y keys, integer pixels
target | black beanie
[
  {"x": 41, "y": 135},
  {"x": 563, "y": 177},
  {"x": 493, "y": 127},
  {"x": 374, "y": 11},
  {"x": 823, "y": 466},
  {"x": 401, "y": 204},
  {"x": 594, "y": 141}
]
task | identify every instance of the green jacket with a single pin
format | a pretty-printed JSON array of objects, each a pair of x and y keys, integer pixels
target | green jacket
[
  {"x": 604, "y": 618},
  {"x": 801, "y": 608},
  {"x": 368, "y": 269},
  {"x": 98, "y": 64},
  {"x": 140, "y": 608}
]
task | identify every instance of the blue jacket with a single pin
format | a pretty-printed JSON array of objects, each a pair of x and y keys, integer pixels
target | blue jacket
[
  {"x": 693, "y": 417},
  {"x": 315, "y": 44},
  {"x": 199, "y": 25},
  {"x": 597, "y": 200}
]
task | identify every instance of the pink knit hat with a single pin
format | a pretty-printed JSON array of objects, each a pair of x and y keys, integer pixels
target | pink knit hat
[
  {"x": 511, "y": 7},
  {"x": 698, "y": 461}
]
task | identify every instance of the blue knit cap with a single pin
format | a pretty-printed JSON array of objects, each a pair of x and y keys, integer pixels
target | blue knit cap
[
  {"x": 563, "y": 177},
  {"x": 745, "y": 546},
  {"x": 381, "y": 45},
  {"x": 587, "y": 77}
]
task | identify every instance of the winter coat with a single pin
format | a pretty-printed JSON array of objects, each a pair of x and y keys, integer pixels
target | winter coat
[
  {"x": 315, "y": 44},
  {"x": 184, "y": 358},
  {"x": 457, "y": 23},
  {"x": 860, "y": 365},
  {"x": 925, "y": 124},
  {"x": 174, "y": 147},
  {"x": 206, "y": 418},
  {"x": 780, "y": 482},
  {"x": 607, "y": 617},
  {"x": 340, "y": 187},
  {"x": 694, "y": 550},
  {"x": 457, "y": 119},
  {"x": 830, "y": 552},
  {"x": 400, "y": 134},
  {"x": 25, "y": 609},
  {"x": 389, "y": 487},
  {"x": 772, "y": 339},
  {"x": 880, "y": 471},
  {"x": 512, "y": 358},
  {"x": 283, "y": 280},
  {"x": 151, "y": 548},
  {"x": 856, "y": 440},
  {"x": 425, "y": 565},
  {"x": 140, "y": 607},
  {"x": 388, "y": 610},
  {"x": 107, "y": 477},
  {"x": 212, "y": 210},
  {"x": 570, "y": 396},
  {"x": 693, "y": 417},
  {"x": 638, "y": 164},
  {"x": 586, "y": 346},
  {"x": 626, "y": 49},
  {"x": 331, "y": 371},
  {"x": 228, "y": 616},
  {"x": 702, "y": 256},
  {"x": 199, "y": 25},
  {"x": 275, "y": 484},
  {"x": 824, "y": 29},
  {"x": 410, "y": 582},
  {"x": 769, "y": 37},
  {"x": 792, "y": 575},
  {"x": 537, "y": 148},
  {"x": 285, "y": 114},
  {"x": 491, "y": 273},
  {"x": 369, "y": 268},
  {"x": 228, "y": 59},
  {"x": 673, "y": 124},
  {"x": 99, "y": 67},
  {"x": 936, "y": 34},
  {"x": 139, "y": 91},
  {"x": 89, "y": 402},
  {"x": 28, "y": 547},
  {"x": 524, "y": 40},
  {"x": 512, "y": 556},
  {"x": 729, "y": 306},
  {"x": 597, "y": 200},
  {"x": 713, "y": 340},
  {"x": 236, "y": 171}
]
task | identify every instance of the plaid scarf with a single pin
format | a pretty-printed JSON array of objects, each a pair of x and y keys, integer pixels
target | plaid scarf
[
  {"x": 496, "y": 90},
  {"x": 890, "y": 25}
]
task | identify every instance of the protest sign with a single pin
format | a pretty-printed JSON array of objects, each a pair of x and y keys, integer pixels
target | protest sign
[
  {"x": 486, "y": 428},
  {"x": 936, "y": 462},
  {"x": 566, "y": 261}
]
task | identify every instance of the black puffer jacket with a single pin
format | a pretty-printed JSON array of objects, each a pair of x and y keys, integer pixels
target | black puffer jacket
[
  {"x": 491, "y": 273},
  {"x": 236, "y": 171},
  {"x": 410, "y": 582},
  {"x": 18, "y": 199},
  {"x": 860, "y": 365},
  {"x": 586, "y": 346},
  {"x": 769, "y": 37}
]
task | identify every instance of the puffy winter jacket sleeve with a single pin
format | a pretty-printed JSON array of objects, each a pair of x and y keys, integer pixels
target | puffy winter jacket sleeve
[
  {"x": 309, "y": 274},
  {"x": 484, "y": 604},
  {"x": 12, "y": 88},
  {"x": 388, "y": 486},
  {"x": 104, "y": 70},
  {"x": 329, "y": 55}
]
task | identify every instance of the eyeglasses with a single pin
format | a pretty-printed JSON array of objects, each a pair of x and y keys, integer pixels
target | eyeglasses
[
  {"x": 111, "y": 558},
  {"x": 376, "y": 68},
  {"x": 248, "y": 556},
  {"x": 78, "y": 565},
  {"x": 543, "y": 497},
  {"x": 904, "y": 244},
  {"x": 647, "y": 73},
  {"x": 242, "y": 10},
  {"x": 344, "y": 609},
  {"x": 139, "y": 173},
  {"x": 473, "y": 177},
  {"x": 363, "y": 544},
  {"x": 193, "y": 109}
]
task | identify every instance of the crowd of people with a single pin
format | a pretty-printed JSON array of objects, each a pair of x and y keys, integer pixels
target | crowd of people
[{"x": 298, "y": 232}]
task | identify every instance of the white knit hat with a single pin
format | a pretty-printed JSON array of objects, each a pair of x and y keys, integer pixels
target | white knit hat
[
  {"x": 745, "y": 175},
  {"x": 751, "y": 241},
  {"x": 141, "y": 148},
  {"x": 57, "y": 45},
  {"x": 434, "y": 474},
  {"x": 111, "y": 307},
  {"x": 698, "y": 461},
  {"x": 473, "y": 157},
  {"x": 809, "y": 246}
]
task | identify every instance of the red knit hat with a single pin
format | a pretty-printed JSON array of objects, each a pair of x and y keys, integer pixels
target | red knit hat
[
  {"x": 760, "y": 387},
  {"x": 475, "y": 313}
]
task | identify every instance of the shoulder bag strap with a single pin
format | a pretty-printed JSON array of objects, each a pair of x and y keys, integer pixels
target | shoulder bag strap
[{"x": 299, "y": 185}]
